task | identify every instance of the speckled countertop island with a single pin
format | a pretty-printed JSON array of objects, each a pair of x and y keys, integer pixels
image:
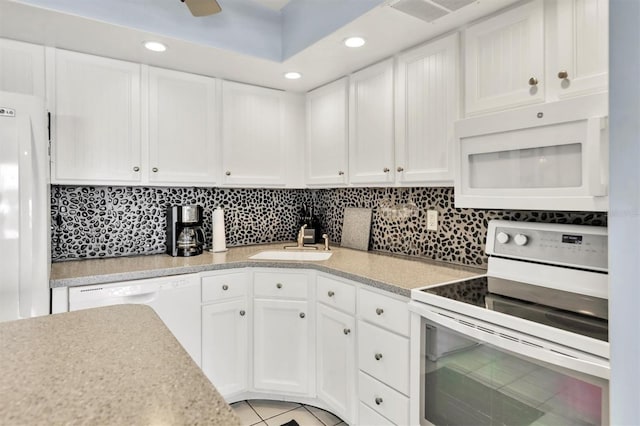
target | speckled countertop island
[
  {"x": 395, "y": 274},
  {"x": 117, "y": 365}
]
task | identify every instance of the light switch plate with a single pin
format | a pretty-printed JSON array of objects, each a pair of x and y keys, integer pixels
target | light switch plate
[{"x": 432, "y": 220}]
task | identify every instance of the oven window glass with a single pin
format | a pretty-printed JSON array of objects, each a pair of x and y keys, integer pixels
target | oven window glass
[
  {"x": 467, "y": 382},
  {"x": 558, "y": 166}
]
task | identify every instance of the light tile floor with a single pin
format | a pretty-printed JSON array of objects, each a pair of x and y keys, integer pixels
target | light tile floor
[{"x": 263, "y": 412}]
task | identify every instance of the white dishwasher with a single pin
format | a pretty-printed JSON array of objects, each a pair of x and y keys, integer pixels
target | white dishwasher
[{"x": 175, "y": 299}]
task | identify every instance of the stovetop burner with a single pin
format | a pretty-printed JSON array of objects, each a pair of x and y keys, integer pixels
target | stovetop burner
[{"x": 476, "y": 292}]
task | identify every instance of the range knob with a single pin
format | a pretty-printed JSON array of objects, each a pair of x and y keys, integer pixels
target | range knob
[
  {"x": 502, "y": 237},
  {"x": 521, "y": 239}
]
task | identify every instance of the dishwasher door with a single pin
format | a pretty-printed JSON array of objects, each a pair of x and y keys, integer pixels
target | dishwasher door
[{"x": 175, "y": 299}]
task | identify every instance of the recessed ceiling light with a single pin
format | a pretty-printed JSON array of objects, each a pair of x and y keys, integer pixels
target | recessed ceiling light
[
  {"x": 155, "y": 46},
  {"x": 354, "y": 42},
  {"x": 292, "y": 75}
]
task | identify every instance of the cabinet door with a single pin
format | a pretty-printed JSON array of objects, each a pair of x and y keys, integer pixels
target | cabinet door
[
  {"x": 336, "y": 361},
  {"x": 504, "y": 60},
  {"x": 426, "y": 108},
  {"x": 22, "y": 68},
  {"x": 97, "y": 120},
  {"x": 182, "y": 137},
  {"x": 225, "y": 345},
  {"x": 327, "y": 132},
  {"x": 583, "y": 53},
  {"x": 371, "y": 125},
  {"x": 282, "y": 333},
  {"x": 253, "y": 139}
]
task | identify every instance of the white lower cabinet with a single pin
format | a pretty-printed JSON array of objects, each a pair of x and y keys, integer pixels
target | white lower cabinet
[
  {"x": 335, "y": 366},
  {"x": 368, "y": 417},
  {"x": 225, "y": 343},
  {"x": 281, "y": 358},
  {"x": 225, "y": 331}
]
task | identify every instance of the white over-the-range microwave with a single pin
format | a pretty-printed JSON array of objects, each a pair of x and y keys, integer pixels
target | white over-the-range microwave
[{"x": 552, "y": 156}]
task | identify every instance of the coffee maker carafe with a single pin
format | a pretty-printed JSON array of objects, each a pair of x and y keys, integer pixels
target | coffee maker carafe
[{"x": 185, "y": 236}]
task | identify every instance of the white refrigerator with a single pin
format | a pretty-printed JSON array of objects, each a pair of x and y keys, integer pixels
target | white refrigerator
[{"x": 25, "y": 255}]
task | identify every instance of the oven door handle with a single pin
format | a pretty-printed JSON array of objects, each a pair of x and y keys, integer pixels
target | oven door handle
[{"x": 518, "y": 343}]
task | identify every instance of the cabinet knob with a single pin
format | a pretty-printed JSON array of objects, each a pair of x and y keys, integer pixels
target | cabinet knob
[
  {"x": 341, "y": 173},
  {"x": 136, "y": 169},
  {"x": 400, "y": 169},
  {"x": 378, "y": 357},
  {"x": 533, "y": 81},
  {"x": 378, "y": 401},
  {"x": 228, "y": 173},
  {"x": 279, "y": 285},
  {"x": 379, "y": 311},
  {"x": 386, "y": 170},
  {"x": 242, "y": 313},
  {"x": 225, "y": 287},
  {"x": 302, "y": 315},
  {"x": 563, "y": 75},
  {"x": 346, "y": 331},
  {"x": 154, "y": 170},
  {"x": 330, "y": 293}
]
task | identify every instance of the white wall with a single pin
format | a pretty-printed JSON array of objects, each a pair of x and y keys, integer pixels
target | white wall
[{"x": 624, "y": 217}]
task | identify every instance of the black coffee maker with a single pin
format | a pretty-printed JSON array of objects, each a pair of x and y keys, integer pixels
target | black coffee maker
[{"x": 185, "y": 236}]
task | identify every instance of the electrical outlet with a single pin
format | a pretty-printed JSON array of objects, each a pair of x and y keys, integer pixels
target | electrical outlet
[{"x": 432, "y": 220}]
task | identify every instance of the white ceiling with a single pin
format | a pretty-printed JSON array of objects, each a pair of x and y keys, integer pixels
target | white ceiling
[{"x": 386, "y": 29}]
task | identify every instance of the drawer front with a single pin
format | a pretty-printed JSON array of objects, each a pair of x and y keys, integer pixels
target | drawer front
[
  {"x": 337, "y": 294},
  {"x": 368, "y": 417},
  {"x": 384, "y": 355},
  {"x": 384, "y": 400},
  {"x": 278, "y": 284},
  {"x": 384, "y": 311},
  {"x": 224, "y": 286}
]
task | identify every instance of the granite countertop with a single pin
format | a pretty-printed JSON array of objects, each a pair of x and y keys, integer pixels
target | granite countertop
[
  {"x": 114, "y": 365},
  {"x": 391, "y": 273}
]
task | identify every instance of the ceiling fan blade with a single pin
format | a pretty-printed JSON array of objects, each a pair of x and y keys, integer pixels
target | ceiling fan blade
[{"x": 202, "y": 7}]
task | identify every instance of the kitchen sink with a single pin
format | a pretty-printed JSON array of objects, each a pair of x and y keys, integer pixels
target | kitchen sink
[{"x": 291, "y": 255}]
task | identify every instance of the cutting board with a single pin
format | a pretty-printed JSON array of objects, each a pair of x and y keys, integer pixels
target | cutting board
[{"x": 356, "y": 228}]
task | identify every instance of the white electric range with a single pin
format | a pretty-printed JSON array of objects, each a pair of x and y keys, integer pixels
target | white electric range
[{"x": 527, "y": 343}]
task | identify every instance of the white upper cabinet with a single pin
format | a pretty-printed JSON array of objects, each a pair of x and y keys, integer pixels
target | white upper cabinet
[
  {"x": 254, "y": 126},
  {"x": 96, "y": 108},
  {"x": 582, "y": 61},
  {"x": 371, "y": 133},
  {"x": 22, "y": 68},
  {"x": 182, "y": 129},
  {"x": 427, "y": 104},
  {"x": 504, "y": 60},
  {"x": 327, "y": 133}
]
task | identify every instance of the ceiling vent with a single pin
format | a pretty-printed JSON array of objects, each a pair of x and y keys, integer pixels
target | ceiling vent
[{"x": 429, "y": 10}]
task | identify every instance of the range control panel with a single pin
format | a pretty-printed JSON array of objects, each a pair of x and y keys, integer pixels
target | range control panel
[{"x": 559, "y": 244}]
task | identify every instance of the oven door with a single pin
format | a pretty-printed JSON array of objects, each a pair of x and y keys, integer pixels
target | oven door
[{"x": 476, "y": 373}]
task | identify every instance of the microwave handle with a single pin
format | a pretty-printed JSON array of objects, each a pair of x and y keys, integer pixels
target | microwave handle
[
  {"x": 526, "y": 350},
  {"x": 598, "y": 153}
]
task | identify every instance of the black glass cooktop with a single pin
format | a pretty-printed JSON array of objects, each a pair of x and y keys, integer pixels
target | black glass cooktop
[{"x": 476, "y": 292}]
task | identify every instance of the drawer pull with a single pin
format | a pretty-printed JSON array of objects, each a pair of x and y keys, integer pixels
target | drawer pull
[
  {"x": 378, "y": 357},
  {"x": 279, "y": 285},
  {"x": 302, "y": 315},
  {"x": 378, "y": 401},
  {"x": 225, "y": 287},
  {"x": 330, "y": 293},
  {"x": 346, "y": 331},
  {"x": 242, "y": 312},
  {"x": 379, "y": 311}
]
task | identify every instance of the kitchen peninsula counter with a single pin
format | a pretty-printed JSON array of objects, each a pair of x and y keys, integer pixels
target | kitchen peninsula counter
[
  {"x": 113, "y": 365},
  {"x": 391, "y": 273}
]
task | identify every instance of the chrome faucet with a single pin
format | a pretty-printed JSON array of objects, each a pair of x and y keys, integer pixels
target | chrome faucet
[{"x": 326, "y": 242}]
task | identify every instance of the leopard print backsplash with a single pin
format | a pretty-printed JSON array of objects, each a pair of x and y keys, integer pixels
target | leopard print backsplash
[
  {"x": 461, "y": 233},
  {"x": 95, "y": 222}
]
